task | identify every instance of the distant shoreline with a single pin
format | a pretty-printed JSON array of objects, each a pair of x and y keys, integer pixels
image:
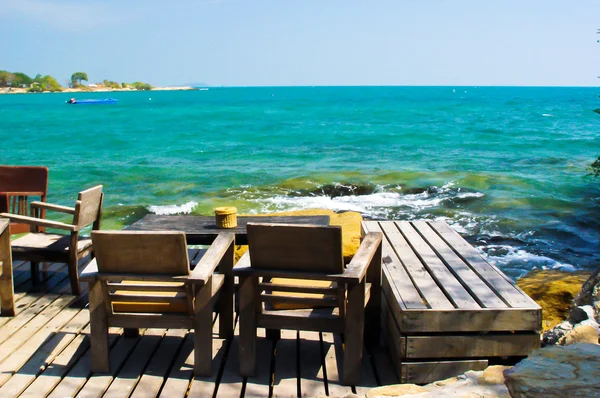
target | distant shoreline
[{"x": 19, "y": 90}]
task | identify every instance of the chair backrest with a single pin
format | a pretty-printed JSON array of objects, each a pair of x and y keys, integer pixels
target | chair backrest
[
  {"x": 296, "y": 247},
  {"x": 141, "y": 252},
  {"x": 88, "y": 207},
  {"x": 24, "y": 179}
]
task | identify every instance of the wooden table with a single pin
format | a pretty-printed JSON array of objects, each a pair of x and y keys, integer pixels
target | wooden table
[{"x": 202, "y": 230}]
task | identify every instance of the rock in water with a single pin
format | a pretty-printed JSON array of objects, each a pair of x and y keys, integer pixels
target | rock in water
[{"x": 557, "y": 371}]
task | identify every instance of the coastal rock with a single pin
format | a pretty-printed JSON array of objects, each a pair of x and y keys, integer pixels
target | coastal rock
[
  {"x": 556, "y": 371},
  {"x": 554, "y": 291},
  {"x": 552, "y": 336},
  {"x": 590, "y": 294},
  {"x": 486, "y": 383},
  {"x": 581, "y": 334},
  {"x": 349, "y": 221},
  {"x": 580, "y": 314}
]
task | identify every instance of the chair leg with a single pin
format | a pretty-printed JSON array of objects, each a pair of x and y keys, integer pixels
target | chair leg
[
  {"x": 353, "y": 334},
  {"x": 203, "y": 331},
  {"x": 35, "y": 273},
  {"x": 225, "y": 310},
  {"x": 74, "y": 276},
  {"x": 99, "y": 329},
  {"x": 7, "y": 292},
  {"x": 247, "y": 320}
]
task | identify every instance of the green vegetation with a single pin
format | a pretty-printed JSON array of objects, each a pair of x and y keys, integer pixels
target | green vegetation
[
  {"x": 77, "y": 78},
  {"x": 17, "y": 79},
  {"x": 41, "y": 83},
  {"x": 44, "y": 83},
  {"x": 141, "y": 86}
]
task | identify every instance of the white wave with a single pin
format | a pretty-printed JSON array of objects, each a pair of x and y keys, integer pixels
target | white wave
[
  {"x": 166, "y": 210},
  {"x": 547, "y": 114},
  {"x": 505, "y": 256},
  {"x": 376, "y": 205}
]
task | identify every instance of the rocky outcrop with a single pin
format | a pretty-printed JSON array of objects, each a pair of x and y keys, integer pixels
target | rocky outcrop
[
  {"x": 486, "y": 383},
  {"x": 584, "y": 314},
  {"x": 554, "y": 291},
  {"x": 556, "y": 371}
]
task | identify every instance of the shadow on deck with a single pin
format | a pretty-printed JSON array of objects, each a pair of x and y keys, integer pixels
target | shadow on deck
[{"x": 44, "y": 351}]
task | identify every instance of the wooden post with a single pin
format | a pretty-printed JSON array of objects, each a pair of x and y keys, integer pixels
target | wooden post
[
  {"x": 353, "y": 333},
  {"x": 73, "y": 263},
  {"x": 6, "y": 272},
  {"x": 247, "y": 320},
  {"x": 99, "y": 328},
  {"x": 203, "y": 330},
  {"x": 373, "y": 309},
  {"x": 225, "y": 302}
]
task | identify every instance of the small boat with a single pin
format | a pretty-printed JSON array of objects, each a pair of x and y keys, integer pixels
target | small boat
[{"x": 74, "y": 101}]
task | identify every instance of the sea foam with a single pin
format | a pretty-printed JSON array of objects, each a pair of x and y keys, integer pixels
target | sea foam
[{"x": 166, "y": 210}]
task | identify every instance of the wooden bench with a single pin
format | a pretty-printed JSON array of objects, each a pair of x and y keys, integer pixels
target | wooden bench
[{"x": 447, "y": 310}]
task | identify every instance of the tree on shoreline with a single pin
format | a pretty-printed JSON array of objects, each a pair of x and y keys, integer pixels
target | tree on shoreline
[{"x": 77, "y": 78}]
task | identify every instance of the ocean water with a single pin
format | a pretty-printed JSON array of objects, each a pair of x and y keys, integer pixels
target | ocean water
[{"x": 505, "y": 166}]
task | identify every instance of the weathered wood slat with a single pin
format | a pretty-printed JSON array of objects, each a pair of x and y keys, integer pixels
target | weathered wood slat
[
  {"x": 43, "y": 356},
  {"x": 394, "y": 276},
  {"x": 428, "y": 372},
  {"x": 258, "y": 386},
  {"x": 513, "y": 296},
  {"x": 332, "y": 346},
  {"x": 285, "y": 382},
  {"x": 469, "y": 279},
  {"x": 199, "y": 386},
  {"x": 153, "y": 376},
  {"x": 128, "y": 377},
  {"x": 470, "y": 346},
  {"x": 62, "y": 364},
  {"x": 311, "y": 385},
  {"x": 79, "y": 375},
  {"x": 38, "y": 304},
  {"x": 421, "y": 278},
  {"x": 455, "y": 291}
]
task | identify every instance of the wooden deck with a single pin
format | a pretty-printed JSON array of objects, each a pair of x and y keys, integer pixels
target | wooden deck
[{"x": 44, "y": 351}]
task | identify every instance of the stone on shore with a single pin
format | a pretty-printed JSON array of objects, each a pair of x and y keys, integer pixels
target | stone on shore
[
  {"x": 581, "y": 334},
  {"x": 557, "y": 371},
  {"x": 486, "y": 383}
]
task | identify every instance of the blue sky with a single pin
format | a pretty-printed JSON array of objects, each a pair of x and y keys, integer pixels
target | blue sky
[{"x": 306, "y": 42}]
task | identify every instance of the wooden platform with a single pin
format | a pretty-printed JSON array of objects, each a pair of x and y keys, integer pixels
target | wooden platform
[
  {"x": 44, "y": 351},
  {"x": 447, "y": 310}
]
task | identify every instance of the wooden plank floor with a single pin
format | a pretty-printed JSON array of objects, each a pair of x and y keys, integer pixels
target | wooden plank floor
[{"x": 44, "y": 351}]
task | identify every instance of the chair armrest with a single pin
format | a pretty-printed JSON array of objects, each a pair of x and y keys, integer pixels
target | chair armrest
[
  {"x": 50, "y": 206},
  {"x": 40, "y": 222},
  {"x": 357, "y": 269},
  {"x": 211, "y": 259},
  {"x": 3, "y": 225},
  {"x": 90, "y": 273}
]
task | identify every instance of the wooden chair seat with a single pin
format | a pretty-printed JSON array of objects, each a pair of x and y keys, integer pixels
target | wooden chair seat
[{"x": 40, "y": 242}]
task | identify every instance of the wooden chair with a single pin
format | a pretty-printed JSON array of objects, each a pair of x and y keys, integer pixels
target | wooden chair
[
  {"x": 7, "y": 297},
  {"x": 17, "y": 184},
  {"x": 142, "y": 279},
  {"x": 279, "y": 257},
  {"x": 47, "y": 247}
]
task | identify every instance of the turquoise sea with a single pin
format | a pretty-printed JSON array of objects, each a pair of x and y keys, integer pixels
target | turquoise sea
[{"x": 505, "y": 166}]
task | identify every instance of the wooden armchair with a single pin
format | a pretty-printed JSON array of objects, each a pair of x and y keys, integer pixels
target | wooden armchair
[
  {"x": 17, "y": 184},
  {"x": 41, "y": 247},
  {"x": 273, "y": 274},
  {"x": 143, "y": 280},
  {"x": 7, "y": 297}
]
